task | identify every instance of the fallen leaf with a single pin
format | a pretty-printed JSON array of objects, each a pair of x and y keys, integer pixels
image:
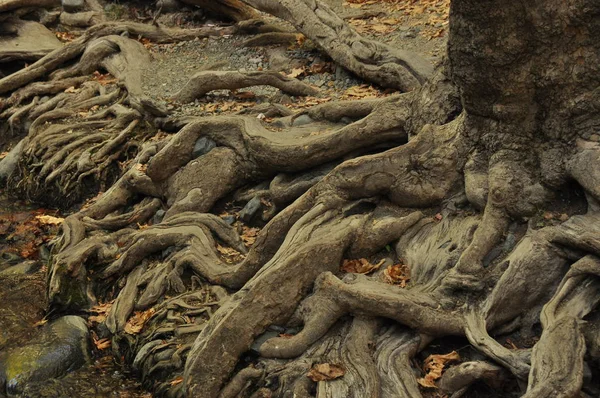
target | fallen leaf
[
  {"x": 49, "y": 220},
  {"x": 3, "y": 155},
  {"x": 296, "y": 72},
  {"x": 360, "y": 266},
  {"x": 325, "y": 371},
  {"x": 434, "y": 366},
  {"x": 177, "y": 380},
  {"x": 65, "y": 36},
  {"x": 249, "y": 235},
  {"x": 104, "y": 79},
  {"x": 101, "y": 310},
  {"x": 102, "y": 344},
  {"x": 362, "y": 91},
  {"x": 141, "y": 167},
  {"x": 245, "y": 95},
  {"x": 135, "y": 324},
  {"x": 71, "y": 89},
  {"x": 41, "y": 322},
  {"x": 398, "y": 274}
]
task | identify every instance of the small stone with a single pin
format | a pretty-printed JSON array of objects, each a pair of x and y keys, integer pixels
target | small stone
[
  {"x": 250, "y": 209},
  {"x": 73, "y": 5},
  {"x": 302, "y": 120},
  {"x": 229, "y": 219},
  {"x": 158, "y": 217},
  {"x": 203, "y": 146},
  {"x": 346, "y": 120}
]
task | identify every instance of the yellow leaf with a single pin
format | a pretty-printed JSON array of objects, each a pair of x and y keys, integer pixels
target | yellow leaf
[{"x": 49, "y": 220}]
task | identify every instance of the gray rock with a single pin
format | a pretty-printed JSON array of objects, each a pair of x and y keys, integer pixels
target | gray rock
[
  {"x": 250, "y": 209},
  {"x": 229, "y": 219},
  {"x": 302, "y": 120},
  {"x": 73, "y": 5},
  {"x": 59, "y": 347},
  {"x": 203, "y": 146},
  {"x": 158, "y": 216},
  {"x": 26, "y": 267}
]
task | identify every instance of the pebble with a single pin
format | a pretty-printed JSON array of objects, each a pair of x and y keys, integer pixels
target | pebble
[{"x": 302, "y": 120}]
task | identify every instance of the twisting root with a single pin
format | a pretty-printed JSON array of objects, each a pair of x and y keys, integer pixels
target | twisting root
[
  {"x": 206, "y": 81},
  {"x": 562, "y": 344}
]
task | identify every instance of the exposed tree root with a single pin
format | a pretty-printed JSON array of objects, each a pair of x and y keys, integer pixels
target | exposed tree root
[
  {"x": 204, "y": 82},
  {"x": 9, "y": 5},
  {"x": 453, "y": 199},
  {"x": 371, "y": 60}
]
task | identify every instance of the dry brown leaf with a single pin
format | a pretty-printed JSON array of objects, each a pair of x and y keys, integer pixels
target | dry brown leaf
[
  {"x": 3, "y": 155},
  {"x": 141, "y": 167},
  {"x": 434, "y": 366},
  {"x": 325, "y": 371},
  {"x": 65, "y": 36},
  {"x": 102, "y": 344},
  {"x": 249, "y": 235},
  {"x": 49, "y": 220},
  {"x": 104, "y": 79},
  {"x": 397, "y": 274},
  {"x": 135, "y": 324},
  {"x": 41, "y": 322},
  {"x": 177, "y": 380},
  {"x": 101, "y": 310},
  {"x": 245, "y": 95},
  {"x": 360, "y": 266},
  {"x": 362, "y": 91},
  {"x": 296, "y": 72}
]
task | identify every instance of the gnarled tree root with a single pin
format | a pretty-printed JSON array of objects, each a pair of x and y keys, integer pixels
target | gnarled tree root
[{"x": 204, "y": 82}]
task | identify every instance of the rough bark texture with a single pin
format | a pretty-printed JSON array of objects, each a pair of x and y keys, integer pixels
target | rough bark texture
[{"x": 449, "y": 179}]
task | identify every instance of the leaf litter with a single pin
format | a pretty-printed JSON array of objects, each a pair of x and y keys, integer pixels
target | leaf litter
[
  {"x": 325, "y": 372},
  {"x": 434, "y": 367}
]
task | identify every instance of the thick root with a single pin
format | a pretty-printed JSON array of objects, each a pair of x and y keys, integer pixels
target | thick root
[
  {"x": 204, "y": 82},
  {"x": 371, "y": 60}
]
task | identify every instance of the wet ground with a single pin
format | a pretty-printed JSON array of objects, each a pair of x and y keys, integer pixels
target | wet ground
[{"x": 25, "y": 236}]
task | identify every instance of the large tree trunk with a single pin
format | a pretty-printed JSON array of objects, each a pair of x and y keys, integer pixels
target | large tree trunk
[{"x": 451, "y": 177}]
